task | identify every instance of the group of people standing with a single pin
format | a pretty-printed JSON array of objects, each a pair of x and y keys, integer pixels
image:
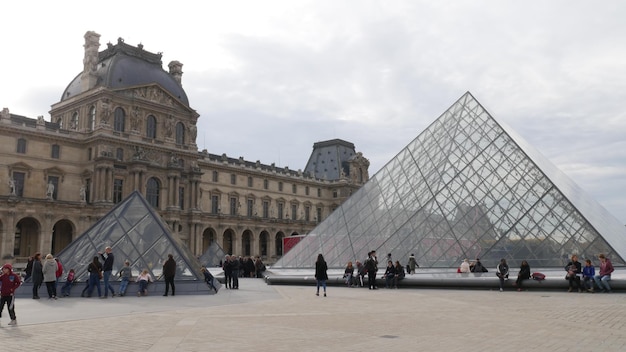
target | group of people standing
[
  {"x": 48, "y": 271},
  {"x": 234, "y": 268}
]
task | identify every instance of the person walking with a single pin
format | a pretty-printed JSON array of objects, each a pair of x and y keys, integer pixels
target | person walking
[
  {"x": 321, "y": 274},
  {"x": 37, "y": 274},
  {"x": 9, "y": 282},
  {"x": 412, "y": 264},
  {"x": 107, "y": 269},
  {"x": 169, "y": 272}
]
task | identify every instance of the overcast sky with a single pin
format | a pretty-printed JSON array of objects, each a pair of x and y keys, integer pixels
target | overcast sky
[{"x": 270, "y": 78}]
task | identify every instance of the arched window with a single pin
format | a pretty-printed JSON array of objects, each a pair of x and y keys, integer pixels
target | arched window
[
  {"x": 152, "y": 192},
  {"x": 151, "y": 127},
  {"x": 60, "y": 122},
  {"x": 91, "y": 120},
  {"x": 180, "y": 133},
  {"x": 120, "y": 120}
]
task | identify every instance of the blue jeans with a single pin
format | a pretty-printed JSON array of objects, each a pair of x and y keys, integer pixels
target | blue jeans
[
  {"x": 321, "y": 283},
  {"x": 143, "y": 287},
  {"x": 67, "y": 286},
  {"x": 603, "y": 282},
  {"x": 107, "y": 286},
  {"x": 94, "y": 281},
  {"x": 123, "y": 286}
]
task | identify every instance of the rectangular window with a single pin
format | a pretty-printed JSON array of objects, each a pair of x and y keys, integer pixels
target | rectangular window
[
  {"x": 233, "y": 206},
  {"x": 119, "y": 154},
  {"x": 21, "y": 146},
  {"x": 319, "y": 192},
  {"x": 280, "y": 186},
  {"x": 307, "y": 213},
  {"x": 294, "y": 189},
  {"x": 118, "y": 190},
  {"x": 233, "y": 179},
  {"x": 53, "y": 187},
  {"x": 306, "y": 190},
  {"x": 250, "y": 181},
  {"x": 294, "y": 212},
  {"x": 334, "y": 193},
  {"x": 88, "y": 153},
  {"x": 181, "y": 198},
  {"x": 266, "y": 184},
  {"x": 18, "y": 179},
  {"x": 55, "y": 151},
  {"x": 266, "y": 209},
  {"x": 250, "y": 208},
  {"x": 215, "y": 204},
  {"x": 281, "y": 207},
  {"x": 319, "y": 214},
  {"x": 215, "y": 176}
]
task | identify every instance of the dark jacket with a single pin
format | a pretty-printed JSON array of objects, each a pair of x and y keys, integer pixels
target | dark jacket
[
  {"x": 108, "y": 262},
  {"x": 37, "y": 275},
  {"x": 576, "y": 267},
  {"x": 524, "y": 272},
  {"x": 169, "y": 268},
  {"x": 320, "y": 270},
  {"x": 391, "y": 271}
]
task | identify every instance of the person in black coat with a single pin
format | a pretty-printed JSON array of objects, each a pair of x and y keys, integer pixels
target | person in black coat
[
  {"x": 169, "y": 272},
  {"x": 37, "y": 274},
  {"x": 574, "y": 270},
  {"x": 321, "y": 274},
  {"x": 524, "y": 274}
]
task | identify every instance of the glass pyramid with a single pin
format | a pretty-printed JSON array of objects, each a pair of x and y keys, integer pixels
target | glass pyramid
[
  {"x": 213, "y": 256},
  {"x": 135, "y": 232},
  {"x": 466, "y": 187}
]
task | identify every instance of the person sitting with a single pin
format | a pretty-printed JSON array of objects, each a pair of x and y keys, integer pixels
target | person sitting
[
  {"x": 143, "y": 280},
  {"x": 588, "y": 274},
  {"x": 477, "y": 267},
  {"x": 399, "y": 274},
  {"x": 465, "y": 266},
  {"x": 574, "y": 270},
  {"x": 502, "y": 271},
  {"x": 69, "y": 282},
  {"x": 361, "y": 272},
  {"x": 348, "y": 274},
  {"x": 524, "y": 274},
  {"x": 604, "y": 276},
  {"x": 390, "y": 274}
]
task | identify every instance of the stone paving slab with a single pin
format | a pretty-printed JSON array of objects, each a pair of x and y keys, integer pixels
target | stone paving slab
[{"x": 260, "y": 317}]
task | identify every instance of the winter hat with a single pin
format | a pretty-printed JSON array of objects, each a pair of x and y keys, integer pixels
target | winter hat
[{"x": 8, "y": 266}]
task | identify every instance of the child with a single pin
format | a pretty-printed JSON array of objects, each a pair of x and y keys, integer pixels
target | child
[
  {"x": 143, "y": 279},
  {"x": 208, "y": 278},
  {"x": 10, "y": 282},
  {"x": 69, "y": 282},
  {"x": 125, "y": 273},
  {"x": 588, "y": 273}
]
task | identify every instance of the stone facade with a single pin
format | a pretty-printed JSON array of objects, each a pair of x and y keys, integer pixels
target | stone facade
[{"x": 58, "y": 177}]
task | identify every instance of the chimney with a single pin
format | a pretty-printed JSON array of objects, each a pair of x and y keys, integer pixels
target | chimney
[
  {"x": 90, "y": 61},
  {"x": 176, "y": 71}
]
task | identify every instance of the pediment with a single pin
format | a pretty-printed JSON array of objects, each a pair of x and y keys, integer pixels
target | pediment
[
  {"x": 155, "y": 93},
  {"x": 20, "y": 167},
  {"x": 54, "y": 171}
]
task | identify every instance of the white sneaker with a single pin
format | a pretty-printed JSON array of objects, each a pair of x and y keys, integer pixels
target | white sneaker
[{"x": 13, "y": 322}]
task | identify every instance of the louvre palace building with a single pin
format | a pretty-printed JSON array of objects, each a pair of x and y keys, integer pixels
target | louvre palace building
[{"x": 125, "y": 124}]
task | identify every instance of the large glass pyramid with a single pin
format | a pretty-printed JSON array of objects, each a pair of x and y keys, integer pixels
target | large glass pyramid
[
  {"x": 135, "y": 232},
  {"x": 466, "y": 187}
]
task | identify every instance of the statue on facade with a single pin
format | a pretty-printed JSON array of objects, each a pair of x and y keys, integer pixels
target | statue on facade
[
  {"x": 12, "y": 186},
  {"x": 83, "y": 193},
  {"x": 134, "y": 119},
  {"x": 169, "y": 126},
  {"x": 50, "y": 191},
  {"x": 105, "y": 112},
  {"x": 193, "y": 132}
]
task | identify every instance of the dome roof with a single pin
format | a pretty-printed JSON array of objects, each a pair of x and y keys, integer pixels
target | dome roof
[{"x": 123, "y": 65}]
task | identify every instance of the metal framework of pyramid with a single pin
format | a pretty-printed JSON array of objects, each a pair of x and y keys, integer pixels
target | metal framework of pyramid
[
  {"x": 468, "y": 186},
  {"x": 135, "y": 232},
  {"x": 213, "y": 256}
]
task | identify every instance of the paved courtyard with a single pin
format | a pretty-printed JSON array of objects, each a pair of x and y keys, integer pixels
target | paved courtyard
[{"x": 258, "y": 317}]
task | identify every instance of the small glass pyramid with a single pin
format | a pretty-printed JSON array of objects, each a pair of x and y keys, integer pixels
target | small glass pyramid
[
  {"x": 136, "y": 233},
  {"x": 213, "y": 256},
  {"x": 466, "y": 187}
]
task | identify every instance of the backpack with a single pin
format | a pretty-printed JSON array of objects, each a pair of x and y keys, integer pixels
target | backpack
[{"x": 538, "y": 276}]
